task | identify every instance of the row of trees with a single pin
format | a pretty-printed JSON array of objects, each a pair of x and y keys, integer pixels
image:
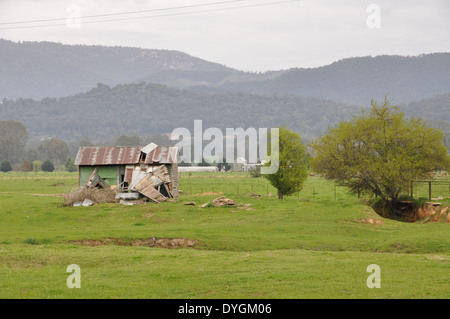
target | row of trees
[
  {"x": 380, "y": 153},
  {"x": 36, "y": 166},
  {"x": 14, "y": 155}
]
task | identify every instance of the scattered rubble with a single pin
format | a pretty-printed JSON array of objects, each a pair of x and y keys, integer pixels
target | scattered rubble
[{"x": 222, "y": 200}]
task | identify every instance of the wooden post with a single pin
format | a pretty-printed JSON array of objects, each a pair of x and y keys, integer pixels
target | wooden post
[
  {"x": 412, "y": 189},
  {"x": 429, "y": 190}
]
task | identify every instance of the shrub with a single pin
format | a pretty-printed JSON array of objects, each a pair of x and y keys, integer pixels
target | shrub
[
  {"x": 26, "y": 166},
  {"x": 5, "y": 166},
  {"x": 37, "y": 165},
  {"x": 47, "y": 166},
  {"x": 32, "y": 241},
  {"x": 255, "y": 171}
]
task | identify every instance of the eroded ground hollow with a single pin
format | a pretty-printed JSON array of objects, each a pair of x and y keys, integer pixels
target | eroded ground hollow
[{"x": 149, "y": 242}]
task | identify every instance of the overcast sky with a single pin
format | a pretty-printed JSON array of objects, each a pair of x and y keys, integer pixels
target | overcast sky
[{"x": 305, "y": 33}]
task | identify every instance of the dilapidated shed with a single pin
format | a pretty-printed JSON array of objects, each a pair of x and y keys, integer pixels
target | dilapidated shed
[{"x": 151, "y": 170}]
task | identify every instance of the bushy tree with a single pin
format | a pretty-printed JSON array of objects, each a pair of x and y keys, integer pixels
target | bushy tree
[
  {"x": 5, "y": 166},
  {"x": 37, "y": 166},
  {"x": 293, "y": 164},
  {"x": 13, "y": 138},
  {"x": 26, "y": 166},
  {"x": 380, "y": 152},
  {"x": 70, "y": 165},
  {"x": 55, "y": 150},
  {"x": 48, "y": 166}
]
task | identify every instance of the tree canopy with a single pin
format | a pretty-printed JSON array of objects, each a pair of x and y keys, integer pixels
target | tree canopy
[
  {"x": 13, "y": 138},
  {"x": 380, "y": 152},
  {"x": 293, "y": 164}
]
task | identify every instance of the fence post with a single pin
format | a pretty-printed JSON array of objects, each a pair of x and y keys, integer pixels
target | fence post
[
  {"x": 412, "y": 189},
  {"x": 429, "y": 190}
]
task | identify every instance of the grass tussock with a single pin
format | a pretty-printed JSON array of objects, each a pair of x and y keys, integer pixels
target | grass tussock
[{"x": 96, "y": 195}]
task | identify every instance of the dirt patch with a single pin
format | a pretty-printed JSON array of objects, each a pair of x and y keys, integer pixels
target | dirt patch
[
  {"x": 407, "y": 211},
  {"x": 371, "y": 221},
  {"x": 149, "y": 242}
]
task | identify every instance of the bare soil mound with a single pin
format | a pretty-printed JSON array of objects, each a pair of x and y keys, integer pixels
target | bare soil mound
[{"x": 149, "y": 242}]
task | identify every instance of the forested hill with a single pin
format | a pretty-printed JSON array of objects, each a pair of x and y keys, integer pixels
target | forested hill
[
  {"x": 358, "y": 80},
  {"x": 143, "y": 109},
  {"x": 46, "y": 69}
]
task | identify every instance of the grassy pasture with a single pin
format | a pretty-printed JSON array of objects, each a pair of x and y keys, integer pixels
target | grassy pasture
[{"x": 315, "y": 244}]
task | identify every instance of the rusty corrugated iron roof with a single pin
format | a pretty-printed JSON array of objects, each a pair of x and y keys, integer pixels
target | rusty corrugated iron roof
[{"x": 124, "y": 155}]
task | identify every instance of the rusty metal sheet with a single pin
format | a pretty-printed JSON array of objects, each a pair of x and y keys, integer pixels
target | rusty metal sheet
[
  {"x": 128, "y": 174},
  {"x": 92, "y": 156},
  {"x": 124, "y": 155},
  {"x": 162, "y": 155}
]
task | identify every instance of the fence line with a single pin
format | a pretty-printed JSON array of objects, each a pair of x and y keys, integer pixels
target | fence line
[{"x": 36, "y": 177}]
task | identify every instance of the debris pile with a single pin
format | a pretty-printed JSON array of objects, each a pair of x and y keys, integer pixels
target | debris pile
[
  {"x": 153, "y": 183},
  {"x": 223, "y": 201},
  {"x": 88, "y": 197},
  {"x": 148, "y": 173}
]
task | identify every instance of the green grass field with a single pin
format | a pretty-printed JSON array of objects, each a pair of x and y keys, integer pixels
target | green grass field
[{"x": 315, "y": 244}]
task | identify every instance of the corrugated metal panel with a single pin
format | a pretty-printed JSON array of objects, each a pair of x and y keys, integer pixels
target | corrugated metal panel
[
  {"x": 162, "y": 155},
  {"x": 125, "y": 155},
  {"x": 107, "y": 156}
]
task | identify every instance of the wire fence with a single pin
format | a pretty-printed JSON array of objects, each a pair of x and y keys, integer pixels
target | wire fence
[
  {"x": 37, "y": 176},
  {"x": 239, "y": 184},
  {"x": 430, "y": 189}
]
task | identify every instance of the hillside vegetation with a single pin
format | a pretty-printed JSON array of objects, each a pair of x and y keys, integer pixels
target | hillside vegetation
[{"x": 45, "y": 69}]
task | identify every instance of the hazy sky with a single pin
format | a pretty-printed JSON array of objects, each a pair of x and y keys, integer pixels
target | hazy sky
[{"x": 306, "y": 33}]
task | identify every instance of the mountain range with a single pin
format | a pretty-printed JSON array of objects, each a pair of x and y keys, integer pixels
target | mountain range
[{"x": 74, "y": 91}]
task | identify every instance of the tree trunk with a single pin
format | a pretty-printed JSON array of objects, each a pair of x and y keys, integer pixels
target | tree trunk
[{"x": 280, "y": 195}]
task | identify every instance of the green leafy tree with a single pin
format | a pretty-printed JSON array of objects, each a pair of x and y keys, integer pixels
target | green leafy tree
[
  {"x": 380, "y": 152},
  {"x": 70, "y": 165},
  {"x": 48, "y": 166},
  {"x": 293, "y": 164},
  {"x": 37, "y": 166},
  {"x": 5, "y": 166}
]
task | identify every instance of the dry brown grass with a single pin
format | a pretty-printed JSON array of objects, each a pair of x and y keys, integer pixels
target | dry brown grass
[{"x": 96, "y": 195}]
